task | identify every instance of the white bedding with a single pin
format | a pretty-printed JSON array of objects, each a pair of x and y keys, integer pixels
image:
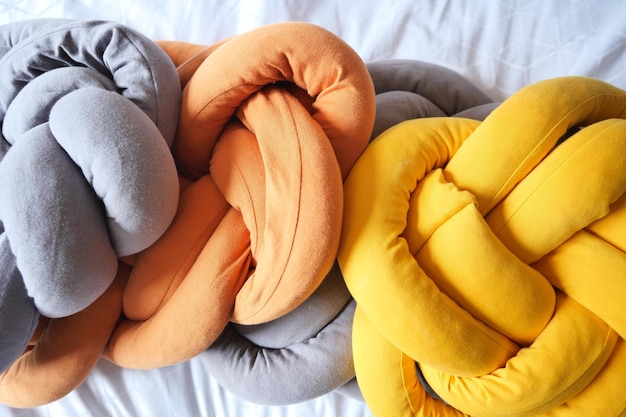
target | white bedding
[{"x": 499, "y": 45}]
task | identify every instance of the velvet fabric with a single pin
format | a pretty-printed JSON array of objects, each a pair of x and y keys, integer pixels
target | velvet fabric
[{"x": 467, "y": 258}]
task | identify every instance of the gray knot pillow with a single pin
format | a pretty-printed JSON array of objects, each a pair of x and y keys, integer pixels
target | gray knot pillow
[
  {"x": 410, "y": 89},
  {"x": 89, "y": 112}
]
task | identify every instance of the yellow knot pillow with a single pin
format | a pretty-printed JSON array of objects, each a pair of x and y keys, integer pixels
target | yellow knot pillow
[{"x": 491, "y": 260}]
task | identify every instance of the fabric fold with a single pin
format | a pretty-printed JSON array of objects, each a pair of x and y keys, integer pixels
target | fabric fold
[
  {"x": 274, "y": 119},
  {"x": 88, "y": 111},
  {"x": 308, "y": 351},
  {"x": 467, "y": 259}
]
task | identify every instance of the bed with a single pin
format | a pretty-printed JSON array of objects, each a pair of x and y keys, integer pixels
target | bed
[{"x": 498, "y": 46}]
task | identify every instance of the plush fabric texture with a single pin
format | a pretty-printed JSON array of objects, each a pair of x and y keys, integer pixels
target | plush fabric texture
[
  {"x": 89, "y": 112},
  {"x": 299, "y": 356},
  {"x": 493, "y": 259},
  {"x": 18, "y": 315},
  {"x": 410, "y": 89},
  {"x": 271, "y": 121},
  {"x": 308, "y": 352}
]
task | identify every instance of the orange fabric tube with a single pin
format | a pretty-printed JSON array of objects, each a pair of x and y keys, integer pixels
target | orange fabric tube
[
  {"x": 271, "y": 122},
  {"x": 65, "y": 351}
]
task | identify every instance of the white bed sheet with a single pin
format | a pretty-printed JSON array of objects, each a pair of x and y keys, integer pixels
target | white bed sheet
[
  {"x": 499, "y": 45},
  {"x": 175, "y": 391}
]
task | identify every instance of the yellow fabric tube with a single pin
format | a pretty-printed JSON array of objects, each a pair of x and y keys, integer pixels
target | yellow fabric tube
[
  {"x": 564, "y": 359},
  {"x": 524, "y": 128},
  {"x": 388, "y": 378},
  {"x": 571, "y": 188},
  {"x": 593, "y": 272},
  {"x": 494, "y": 258},
  {"x": 454, "y": 257},
  {"x": 457, "y": 341}
]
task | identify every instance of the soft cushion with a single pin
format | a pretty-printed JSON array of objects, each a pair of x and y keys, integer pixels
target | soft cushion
[
  {"x": 461, "y": 253},
  {"x": 88, "y": 111},
  {"x": 271, "y": 122},
  {"x": 308, "y": 352},
  {"x": 411, "y": 89},
  {"x": 299, "y": 356}
]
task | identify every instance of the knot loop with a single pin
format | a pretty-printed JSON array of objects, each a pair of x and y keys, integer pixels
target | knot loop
[
  {"x": 267, "y": 132},
  {"x": 87, "y": 176},
  {"x": 308, "y": 351},
  {"x": 456, "y": 253}
]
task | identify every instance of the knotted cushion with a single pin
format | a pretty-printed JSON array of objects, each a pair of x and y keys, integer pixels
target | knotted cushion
[
  {"x": 89, "y": 111},
  {"x": 491, "y": 260},
  {"x": 410, "y": 89},
  {"x": 299, "y": 356},
  {"x": 271, "y": 122},
  {"x": 308, "y": 352}
]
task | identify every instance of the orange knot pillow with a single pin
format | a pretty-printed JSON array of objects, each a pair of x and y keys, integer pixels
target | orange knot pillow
[
  {"x": 308, "y": 352},
  {"x": 271, "y": 123},
  {"x": 487, "y": 259}
]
